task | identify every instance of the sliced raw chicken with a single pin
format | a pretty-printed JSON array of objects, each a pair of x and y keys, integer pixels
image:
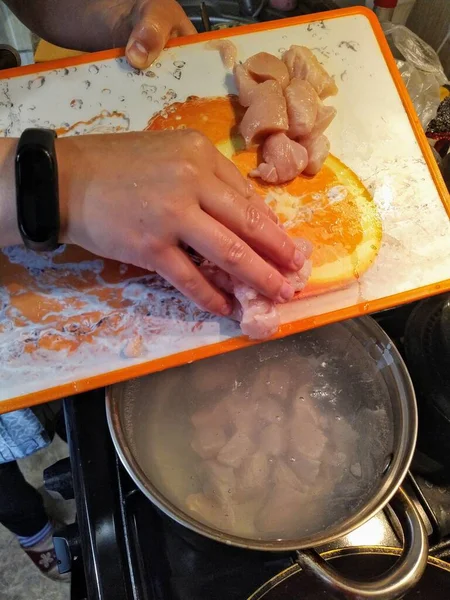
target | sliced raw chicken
[
  {"x": 235, "y": 450},
  {"x": 283, "y": 511},
  {"x": 302, "y": 63},
  {"x": 285, "y": 476},
  {"x": 210, "y": 511},
  {"x": 219, "y": 482},
  {"x": 306, "y": 469},
  {"x": 266, "y": 114},
  {"x": 269, "y": 410},
  {"x": 317, "y": 149},
  {"x": 325, "y": 114},
  {"x": 273, "y": 440},
  {"x": 210, "y": 417},
  {"x": 245, "y": 84},
  {"x": 241, "y": 413},
  {"x": 267, "y": 67},
  {"x": 207, "y": 441},
  {"x": 259, "y": 315},
  {"x": 284, "y": 159},
  {"x": 252, "y": 477},
  {"x": 306, "y": 436},
  {"x": 302, "y": 104},
  {"x": 228, "y": 51}
]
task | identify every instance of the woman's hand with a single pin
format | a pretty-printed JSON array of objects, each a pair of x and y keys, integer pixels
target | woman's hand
[
  {"x": 144, "y": 26},
  {"x": 139, "y": 197}
]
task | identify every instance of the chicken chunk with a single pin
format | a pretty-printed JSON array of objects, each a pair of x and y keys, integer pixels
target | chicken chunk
[
  {"x": 317, "y": 149},
  {"x": 325, "y": 114},
  {"x": 286, "y": 478},
  {"x": 227, "y": 50},
  {"x": 269, "y": 410},
  {"x": 302, "y": 104},
  {"x": 302, "y": 64},
  {"x": 219, "y": 482},
  {"x": 266, "y": 114},
  {"x": 267, "y": 67},
  {"x": 307, "y": 469},
  {"x": 252, "y": 477},
  {"x": 273, "y": 440},
  {"x": 246, "y": 86},
  {"x": 213, "y": 416},
  {"x": 284, "y": 159},
  {"x": 283, "y": 511},
  {"x": 241, "y": 412},
  {"x": 207, "y": 441},
  {"x": 306, "y": 436},
  {"x": 259, "y": 316},
  {"x": 239, "y": 447},
  {"x": 211, "y": 512}
]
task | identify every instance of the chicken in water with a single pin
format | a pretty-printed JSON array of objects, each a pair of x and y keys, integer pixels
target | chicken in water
[
  {"x": 285, "y": 112},
  {"x": 267, "y": 458}
]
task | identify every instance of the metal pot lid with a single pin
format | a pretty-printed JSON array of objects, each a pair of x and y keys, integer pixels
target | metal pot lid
[
  {"x": 368, "y": 562},
  {"x": 288, "y": 444}
]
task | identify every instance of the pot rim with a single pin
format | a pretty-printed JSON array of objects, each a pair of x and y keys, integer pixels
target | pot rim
[
  {"x": 271, "y": 583},
  {"x": 394, "y": 476}
]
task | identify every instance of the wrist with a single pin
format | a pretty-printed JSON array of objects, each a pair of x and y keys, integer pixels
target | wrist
[{"x": 9, "y": 230}]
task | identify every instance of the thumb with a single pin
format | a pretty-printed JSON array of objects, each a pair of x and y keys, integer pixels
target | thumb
[{"x": 158, "y": 20}]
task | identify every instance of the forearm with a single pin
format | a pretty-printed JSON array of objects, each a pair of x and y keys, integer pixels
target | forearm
[
  {"x": 9, "y": 232},
  {"x": 86, "y": 25}
]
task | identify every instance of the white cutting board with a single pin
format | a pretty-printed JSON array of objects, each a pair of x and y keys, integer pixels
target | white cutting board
[{"x": 372, "y": 134}]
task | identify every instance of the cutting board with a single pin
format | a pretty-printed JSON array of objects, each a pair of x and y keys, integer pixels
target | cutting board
[{"x": 378, "y": 213}]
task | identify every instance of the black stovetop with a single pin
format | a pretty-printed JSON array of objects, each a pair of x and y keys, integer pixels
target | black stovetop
[{"x": 127, "y": 550}]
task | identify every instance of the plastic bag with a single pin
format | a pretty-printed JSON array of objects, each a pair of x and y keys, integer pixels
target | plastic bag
[{"x": 420, "y": 69}]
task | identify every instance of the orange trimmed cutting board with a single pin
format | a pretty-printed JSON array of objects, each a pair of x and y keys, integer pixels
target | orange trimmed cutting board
[{"x": 378, "y": 212}]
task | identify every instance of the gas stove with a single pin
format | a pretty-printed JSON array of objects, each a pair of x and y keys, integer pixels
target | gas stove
[{"x": 123, "y": 548}]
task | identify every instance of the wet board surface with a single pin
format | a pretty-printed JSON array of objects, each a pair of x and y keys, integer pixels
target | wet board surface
[{"x": 377, "y": 214}]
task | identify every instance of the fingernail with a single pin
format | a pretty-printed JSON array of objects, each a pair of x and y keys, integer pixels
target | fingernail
[
  {"x": 226, "y": 310},
  {"x": 299, "y": 259},
  {"x": 137, "y": 54},
  {"x": 287, "y": 292}
]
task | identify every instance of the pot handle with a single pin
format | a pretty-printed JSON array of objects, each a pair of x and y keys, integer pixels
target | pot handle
[{"x": 394, "y": 584}]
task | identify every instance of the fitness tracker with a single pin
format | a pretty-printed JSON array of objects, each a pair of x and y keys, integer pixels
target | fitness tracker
[{"x": 37, "y": 195}]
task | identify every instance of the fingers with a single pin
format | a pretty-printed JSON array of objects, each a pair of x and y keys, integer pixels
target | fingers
[
  {"x": 225, "y": 249},
  {"x": 173, "y": 264},
  {"x": 157, "y": 21},
  {"x": 251, "y": 223},
  {"x": 227, "y": 172}
]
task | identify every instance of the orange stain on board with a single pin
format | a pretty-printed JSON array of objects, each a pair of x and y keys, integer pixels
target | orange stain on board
[{"x": 333, "y": 209}]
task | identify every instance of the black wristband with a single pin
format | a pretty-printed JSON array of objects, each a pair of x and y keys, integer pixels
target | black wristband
[{"x": 37, "y": 195}]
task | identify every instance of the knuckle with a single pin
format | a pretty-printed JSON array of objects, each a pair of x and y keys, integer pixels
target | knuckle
[
  {"x": 234, "y": 252},
  {"x": 186, "y": 169},
  {"x": 253, "y": 218},
  {"x": 190, "y": 284},
  {"x": 196, "y": 140}
]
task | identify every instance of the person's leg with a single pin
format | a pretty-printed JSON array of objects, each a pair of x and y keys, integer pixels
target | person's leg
[
  {"x": 21, "y": 506},
  {"x": 22, "y": 512}
]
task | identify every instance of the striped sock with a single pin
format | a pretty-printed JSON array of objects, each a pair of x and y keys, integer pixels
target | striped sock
[{"x": 37, "y": 538}]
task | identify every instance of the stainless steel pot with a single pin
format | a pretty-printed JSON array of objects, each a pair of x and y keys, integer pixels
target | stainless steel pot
[{"x": 352, "y": 372}]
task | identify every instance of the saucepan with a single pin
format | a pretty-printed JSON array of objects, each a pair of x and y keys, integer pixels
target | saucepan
[{"x": 282, "y": 446}]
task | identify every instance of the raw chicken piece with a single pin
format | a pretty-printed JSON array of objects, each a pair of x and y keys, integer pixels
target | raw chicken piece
[
  {"x": 307, "y": 469},
  {"x": 284, "y": 159},
  {"x": 211, "y": 416},
  {"x": 302, "y": 104},
  {"x": 213, "y": 513},
  {"x": 228, "y": 51},
  {"x": 267, "y": 67},
  {"x": 259, "y": 315},
  {"x": 325, "y": 114},
  {"x": 306, "y": 436},
  {"x": 265, "y": 115},
  {"x": 283, "y": 511},
  {"x": 252, "y": 477},
  {"x": 219, "y": 482},
  {"x": 285, "y": 477},
  {"x": 299, "y": 279},
  {"x": 207, "y": 441},
  {"x": 269, "y": 410},
  {"x": 273, "y": 440},
  {"x": 304, "y": 246},
  {"x": 246, "y": 86},
  {"x": 302, "y": 63},
  {"x": 317, "y": 149},
  {"x": 241, "y": 413},
  {"x": 235, "y": 450}
]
